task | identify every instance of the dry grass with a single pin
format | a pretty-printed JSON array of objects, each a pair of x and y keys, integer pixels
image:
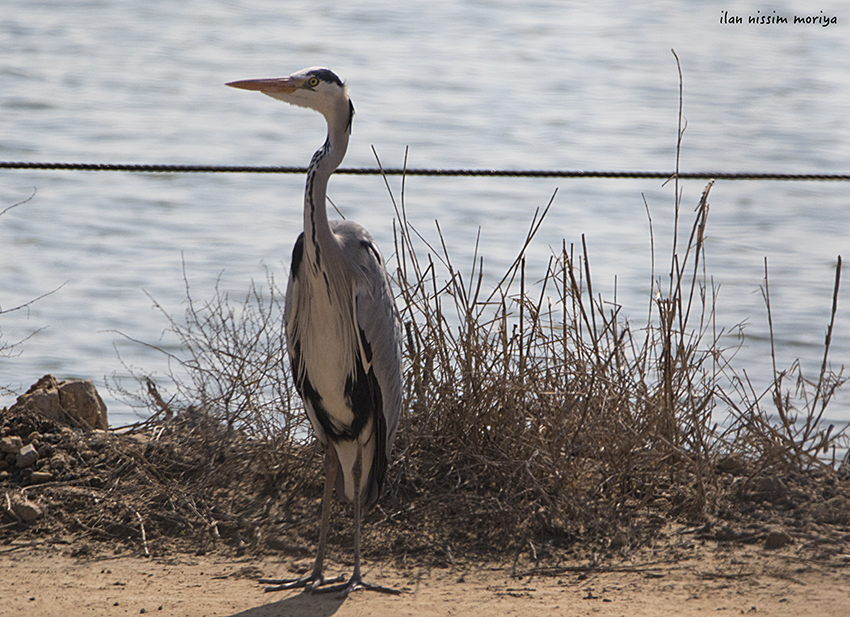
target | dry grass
[
  {"x": 535, "y": 410},
  {"x": 534, "y": 414},
  {"x": 536, "y": 419}
]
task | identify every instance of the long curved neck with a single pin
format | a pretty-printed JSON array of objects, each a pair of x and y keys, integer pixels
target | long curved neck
[{"x": 317, "y": 232}]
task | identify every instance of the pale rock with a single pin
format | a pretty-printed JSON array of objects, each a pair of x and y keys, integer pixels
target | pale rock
[
  {"x": 11, "y": 444},
  {"x": 27, "y": 456},
  {"x": 777, "y": 538},
  {"x": 81, "y": 400},
  {"x": 74, "y": 402},
  {"x": 26, "y": 510},
  {"x": 40, "y": 477}
]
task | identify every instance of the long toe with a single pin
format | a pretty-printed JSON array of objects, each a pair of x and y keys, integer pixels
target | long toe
[
  {"x": 355, "y": 583},
  {"x": 310, "y": 582}
]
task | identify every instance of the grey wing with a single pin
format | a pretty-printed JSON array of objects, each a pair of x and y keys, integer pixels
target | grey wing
[
  {"x": 380, "y": 332},
  {"x": 379, "y": 337}
]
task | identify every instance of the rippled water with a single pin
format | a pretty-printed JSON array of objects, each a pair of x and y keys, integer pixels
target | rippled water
[{"x": 559, "y": 85}]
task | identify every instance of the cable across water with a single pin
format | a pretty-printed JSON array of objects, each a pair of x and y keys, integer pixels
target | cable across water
[{"x": 399, "y": 171}]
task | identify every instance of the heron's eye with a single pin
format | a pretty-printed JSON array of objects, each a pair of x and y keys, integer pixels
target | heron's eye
[{"x": 314, "y": 81}]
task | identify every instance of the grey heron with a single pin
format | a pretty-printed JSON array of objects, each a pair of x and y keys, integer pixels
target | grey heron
[{"x": 342, "y": 327}]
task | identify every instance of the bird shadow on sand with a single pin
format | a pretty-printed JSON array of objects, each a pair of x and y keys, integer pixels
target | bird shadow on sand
[{"x": 301, "y": 605}]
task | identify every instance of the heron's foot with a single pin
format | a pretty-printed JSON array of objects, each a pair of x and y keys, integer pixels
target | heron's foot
[
  {"x": 355, "y": 583},
  {"x": 311, "y": 582}
]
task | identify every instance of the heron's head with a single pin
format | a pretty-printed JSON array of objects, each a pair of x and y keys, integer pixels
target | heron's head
[{"x": 316, "y": 88}]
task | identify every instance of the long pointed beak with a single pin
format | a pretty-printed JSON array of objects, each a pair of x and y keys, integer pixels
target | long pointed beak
[{"x": 278, "y": 85}]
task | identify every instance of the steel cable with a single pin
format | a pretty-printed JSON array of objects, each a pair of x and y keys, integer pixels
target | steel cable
[{"x": 539, "y": 173}]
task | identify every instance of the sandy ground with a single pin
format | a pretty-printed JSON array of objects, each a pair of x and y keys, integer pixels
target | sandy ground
[{"x": 46, "y": 580}]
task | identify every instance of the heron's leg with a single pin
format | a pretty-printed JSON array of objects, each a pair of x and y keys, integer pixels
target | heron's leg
[
  {"x": 358, "y": 515},
  {"x": 356, "y": 581},
  {"x": 331, "y": 466},
  {"x": 316, "y": 577}
]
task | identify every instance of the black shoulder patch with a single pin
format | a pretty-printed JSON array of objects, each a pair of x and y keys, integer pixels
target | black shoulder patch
[{"x": 297, "y": 255}]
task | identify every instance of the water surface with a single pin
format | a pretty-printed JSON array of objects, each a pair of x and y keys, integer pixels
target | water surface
[{"x": 478, "y": 84}]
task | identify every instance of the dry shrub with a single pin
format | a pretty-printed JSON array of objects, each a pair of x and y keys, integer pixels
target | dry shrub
[
  {"x": 232, "y": 429},
  {"x": 533, "y": 412},
  {"x": 784, "y": 425}
]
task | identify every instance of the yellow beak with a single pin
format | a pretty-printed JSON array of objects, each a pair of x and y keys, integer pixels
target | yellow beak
[{"x": 278, "y": 85}]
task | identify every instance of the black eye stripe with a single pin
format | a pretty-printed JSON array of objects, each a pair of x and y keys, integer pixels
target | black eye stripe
[{"x": 325, "y": 75}]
